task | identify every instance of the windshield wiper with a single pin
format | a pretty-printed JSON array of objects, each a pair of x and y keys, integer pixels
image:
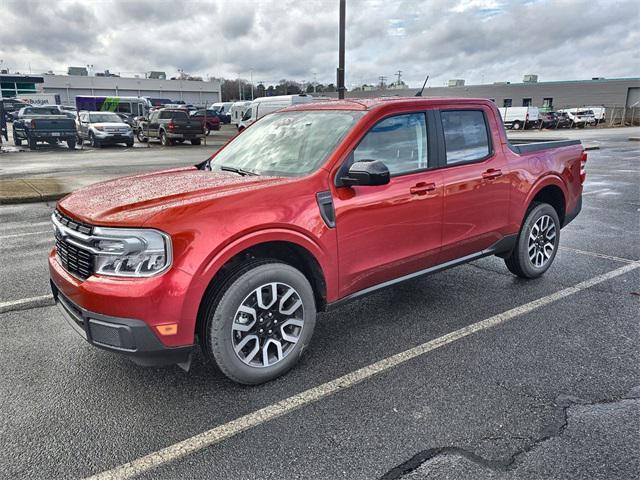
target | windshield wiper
[{"x": 239, "y": 171}]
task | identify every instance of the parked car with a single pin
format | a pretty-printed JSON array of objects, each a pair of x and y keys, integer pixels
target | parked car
[
  {"x": 264, "y": 105},
  {"x": 518, "y": 118},
  {"x": 580, "y": 117},
  {"x": 11, "y": 106},
  {"x": 599, "y": 114},
  {"x": 43, "y": 124},
  {"x": 212, "y": 120},
  {"x": 103, "y": 128},
  {"x": 554, "y": 120},
  {"x": 311, "y": 207},
  {"x": 129, "y": 119},
  {"x": 171, "y": 125},
  {"x": 222, "y": 110}
]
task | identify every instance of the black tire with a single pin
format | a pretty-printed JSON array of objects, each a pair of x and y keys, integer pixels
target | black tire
[
  {"x": 141, "y": 136},
  {"x": 222, "y": 310},
  {"x": 16, "y": 141},
  {"x": 519, "y": 262},
  {"x": 71, "y": 143},
  {"x": 33, "y": 144},
  {"x": 164, "y": 140},
  {"x": 196, "y": 141},
  {"x": 130, "y": 143},
  {"x": 516, "y": 126},
  {"x": 95, "y": 143},
  {"x": 79, "y": 140},
  {"x": 208, "y": 131}
]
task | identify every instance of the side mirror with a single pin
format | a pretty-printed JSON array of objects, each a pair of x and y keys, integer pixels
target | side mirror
[{"x": 367, "y": 172}]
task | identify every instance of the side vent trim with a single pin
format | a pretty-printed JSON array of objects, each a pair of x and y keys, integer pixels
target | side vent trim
[{"x": 325, "y": 204}]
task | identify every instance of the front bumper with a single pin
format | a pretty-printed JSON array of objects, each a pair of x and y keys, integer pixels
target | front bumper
[
  {"x": 133, "y": 338},
  {"x": 114, "y": 137}
]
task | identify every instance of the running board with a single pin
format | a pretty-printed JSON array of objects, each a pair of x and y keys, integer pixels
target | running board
[{"x": 503, "y": 246}]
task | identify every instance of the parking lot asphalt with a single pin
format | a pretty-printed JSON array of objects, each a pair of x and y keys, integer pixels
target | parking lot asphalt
[{"x": 550, "y": 390}]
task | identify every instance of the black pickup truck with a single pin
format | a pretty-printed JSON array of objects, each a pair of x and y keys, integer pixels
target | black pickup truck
[
  {"x": 171, "y": 126},
  {"x": 44, "y": 124}
]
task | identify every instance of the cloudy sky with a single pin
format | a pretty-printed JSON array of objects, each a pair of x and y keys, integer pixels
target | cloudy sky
[{"x": 478, "y": 40}]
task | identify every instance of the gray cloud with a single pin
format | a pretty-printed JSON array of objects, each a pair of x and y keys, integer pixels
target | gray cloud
[{"x": 478, "y": 40}]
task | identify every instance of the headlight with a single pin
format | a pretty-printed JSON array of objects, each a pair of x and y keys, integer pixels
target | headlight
[{"x": 124, "y": 252}]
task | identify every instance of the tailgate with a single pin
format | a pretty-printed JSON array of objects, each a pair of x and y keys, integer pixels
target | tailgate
[
  {"x": 187, "y": 127},
  {"x": 63, "y": 125}
]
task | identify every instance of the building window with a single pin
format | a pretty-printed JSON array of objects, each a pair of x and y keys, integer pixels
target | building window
[
  {"x": 507, "y": 102},
  {"x": 547, "y": 103},
  {"x": 526, "y": 102}
]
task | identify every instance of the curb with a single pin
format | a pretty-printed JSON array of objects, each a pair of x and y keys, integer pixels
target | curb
[
  {"x": 634, "y": 139},
  {"x": 27, "y": 303},
  {"x": 32, "y": 198}
]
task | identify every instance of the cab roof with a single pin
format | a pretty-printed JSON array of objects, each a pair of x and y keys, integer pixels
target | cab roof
[{"x": 364, "y": 104}]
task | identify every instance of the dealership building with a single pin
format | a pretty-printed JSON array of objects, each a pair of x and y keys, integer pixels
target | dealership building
[
  {"x": 67, "y": 87},
  {"x": 606, "y": 92}
]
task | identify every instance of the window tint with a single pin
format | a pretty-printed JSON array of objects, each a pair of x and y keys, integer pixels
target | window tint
[
  {"x": 174, "y": 115},
  {"x": 465, "y": 135},
  {"x": 400, "y": 142}
]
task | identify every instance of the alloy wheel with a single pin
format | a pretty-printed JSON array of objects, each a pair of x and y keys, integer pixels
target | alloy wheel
[
  {"x": 542, "y": 241},
  {"x": 267, "y": 325}
]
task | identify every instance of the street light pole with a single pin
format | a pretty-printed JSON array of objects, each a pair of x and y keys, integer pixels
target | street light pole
[{"x": 340, "y": 73}]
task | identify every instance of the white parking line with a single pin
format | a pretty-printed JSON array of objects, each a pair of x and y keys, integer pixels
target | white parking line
[
  {"x": 593, "y": 192},
  {"x": 598, "y": 255},
  {"x": 218, "y": 434},
  {"x": 15, "y": 235},
  {"x": 26, "y": 303}
]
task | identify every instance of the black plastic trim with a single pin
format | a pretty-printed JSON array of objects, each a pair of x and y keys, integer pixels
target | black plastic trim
[
  {"x": 502, "y": 247},
  {"x": 327, "y": 211},
  {"x": 569, "y": 217},
  {"x": 140, "y": 344}
]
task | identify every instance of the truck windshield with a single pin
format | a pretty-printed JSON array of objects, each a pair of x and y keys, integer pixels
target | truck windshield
[
  {"x": 104, "y": 118},
  {"x": 288, "y": 144}
]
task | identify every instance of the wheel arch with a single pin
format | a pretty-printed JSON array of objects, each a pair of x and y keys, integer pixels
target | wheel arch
[
  {"x": 290, "y": 250},
  {"x": 549, "y": 190}
]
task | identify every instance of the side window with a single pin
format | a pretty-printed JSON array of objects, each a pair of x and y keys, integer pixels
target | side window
[
  {"x": 164, "y": 115},
  {"x": 124, "y": 108},
  {"x": 465, "y": 135},
  {"x": 400, "y": 142},
  {"x": 84, "y": 117},
  {"x": 153, "y": 117}
]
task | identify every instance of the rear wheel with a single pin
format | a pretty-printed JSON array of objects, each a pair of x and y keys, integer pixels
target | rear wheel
[
  {"x": 260, "y": 322},
  {"x": 537, "y": 242},
  {"x": 196, "y": 141},
  {"x": 516, "y": 126},
  {"x": 32, "y": 143},
  {"x": 71, "y": 143},
  {"x": 16, "y": 141}
]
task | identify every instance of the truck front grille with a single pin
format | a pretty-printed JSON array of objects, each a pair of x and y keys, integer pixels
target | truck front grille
[{"x": 75, "y": 260}]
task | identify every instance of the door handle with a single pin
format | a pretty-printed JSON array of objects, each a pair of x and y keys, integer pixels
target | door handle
[
  {"x": 492, "y": 173},
  {"x": 422, "y": 188}
]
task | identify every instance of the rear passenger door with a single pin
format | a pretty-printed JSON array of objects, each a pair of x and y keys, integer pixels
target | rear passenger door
[{"x": 476, "y": 185}]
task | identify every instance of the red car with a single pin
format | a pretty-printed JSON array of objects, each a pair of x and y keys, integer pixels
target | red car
[
  {"x": 310, "y": 207},
  {"x": 212, "y": 120}
]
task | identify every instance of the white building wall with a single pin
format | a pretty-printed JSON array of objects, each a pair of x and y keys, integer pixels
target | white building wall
[{"x": 189, "y": 91}]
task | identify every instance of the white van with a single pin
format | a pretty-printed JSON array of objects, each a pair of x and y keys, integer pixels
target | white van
[
  {"x": 517, "y": 118},
  {"x": 263, "y": 105},
  {"x": 237, "y": 111}
]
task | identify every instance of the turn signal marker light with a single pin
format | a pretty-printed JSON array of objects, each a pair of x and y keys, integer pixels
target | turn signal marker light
[{"x": 168, "y": 329}]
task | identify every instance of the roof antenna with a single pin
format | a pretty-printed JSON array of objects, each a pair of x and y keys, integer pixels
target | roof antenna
[{"x": 419, "y": 94}]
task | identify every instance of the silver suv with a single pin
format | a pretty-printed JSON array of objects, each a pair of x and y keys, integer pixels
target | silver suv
[{"x": 102, "y": 128}]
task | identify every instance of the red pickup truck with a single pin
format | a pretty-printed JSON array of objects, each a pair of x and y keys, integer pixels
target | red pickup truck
[{"x": 310, "y": 207}]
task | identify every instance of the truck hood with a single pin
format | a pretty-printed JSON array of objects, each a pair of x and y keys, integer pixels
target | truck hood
[{"x": 131, "y": 201}]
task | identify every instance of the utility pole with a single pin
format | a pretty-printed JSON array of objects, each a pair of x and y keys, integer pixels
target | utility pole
[
  {"x": 399, "y": 74},
  {"x": 382, "y": 79},
  {"x": 340, "y": 72},
  {"x": 251, "y": 80}
]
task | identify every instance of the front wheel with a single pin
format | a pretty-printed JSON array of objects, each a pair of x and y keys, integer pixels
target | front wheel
[
  {"x": 537, "y": 243},
  {"x": 196, "y": 141},
  {"x": 261, "y": 322},
  {"x": 164, "y": 140}
]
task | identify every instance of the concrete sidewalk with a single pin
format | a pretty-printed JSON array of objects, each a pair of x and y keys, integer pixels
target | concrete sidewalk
[{"x": 40, "y": 189}]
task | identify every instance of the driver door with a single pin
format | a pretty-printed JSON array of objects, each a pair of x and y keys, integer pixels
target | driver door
[{"x": 388, "y": 231}]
